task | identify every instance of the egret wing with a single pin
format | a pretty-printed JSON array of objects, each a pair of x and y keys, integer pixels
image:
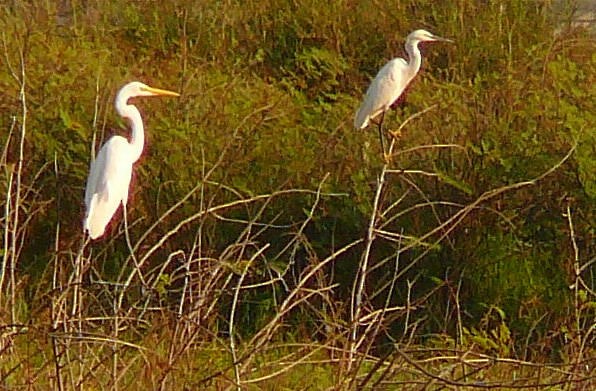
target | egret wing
[
  {"x": 385, "y": 88},
  {"x": 107, "y": 185}
]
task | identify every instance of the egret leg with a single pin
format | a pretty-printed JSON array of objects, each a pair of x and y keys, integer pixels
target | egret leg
[
  {"x": 130, "y": 248},
  {"x": 78, "y": 277},
  {"x": 381, "y": 133},
  {"x": 137, "y": 265},
  {"x": 386, "y": 155}
]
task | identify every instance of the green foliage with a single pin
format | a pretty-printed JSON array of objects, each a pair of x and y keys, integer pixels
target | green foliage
[
  {"x": 492, "y": 336},
  {"x": 521, "y": 277},
  {"x": 575, "y": 106}
]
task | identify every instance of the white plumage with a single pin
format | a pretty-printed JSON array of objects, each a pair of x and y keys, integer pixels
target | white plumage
[
  {"x": 392, "y": 80},
  {"x": 385, "y": 89},
  {"x": 111, "y": 171}
]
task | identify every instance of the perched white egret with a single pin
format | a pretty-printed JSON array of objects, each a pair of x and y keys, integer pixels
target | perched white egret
[
  {"x": 391, "y": 81},
  {"x": 111, "y": 171}
]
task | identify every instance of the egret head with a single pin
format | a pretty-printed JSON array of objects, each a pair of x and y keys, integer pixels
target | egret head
[
  {"x": 136, "y": 88},
  {"x": 424, "y": 36},
  {"x": 132, "y": 90}
]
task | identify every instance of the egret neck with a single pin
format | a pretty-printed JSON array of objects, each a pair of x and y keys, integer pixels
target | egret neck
[{"x": 137, "y": 136}]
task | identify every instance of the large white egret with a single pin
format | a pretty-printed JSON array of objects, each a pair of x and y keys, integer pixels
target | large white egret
[
  {"x": 111, "y": 171},
  {"x": 391, "y": 81}
]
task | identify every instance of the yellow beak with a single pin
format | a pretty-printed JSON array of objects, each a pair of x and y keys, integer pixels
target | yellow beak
[{"x": 158, "y": 91}]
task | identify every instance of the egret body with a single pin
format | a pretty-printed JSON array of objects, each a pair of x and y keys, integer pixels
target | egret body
[
  {"x": 391, "y": 81},
  {"x": 110, "y": 173}
]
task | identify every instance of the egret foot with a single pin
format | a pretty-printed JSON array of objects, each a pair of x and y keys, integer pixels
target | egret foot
[{"x": 396, "y": 134}]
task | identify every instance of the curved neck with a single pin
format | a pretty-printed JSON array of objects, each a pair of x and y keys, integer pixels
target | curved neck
[
  {"x": 137, "y": 137},
  {"x": 414, "y": 57}
]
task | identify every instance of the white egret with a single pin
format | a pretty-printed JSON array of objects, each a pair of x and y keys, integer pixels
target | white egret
[
  {"x": 391, "y": 81},
  {"x": 111, "y": 171}
]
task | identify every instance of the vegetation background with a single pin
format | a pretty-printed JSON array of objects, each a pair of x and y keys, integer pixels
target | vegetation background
[{"x": 274, "y": 248}]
